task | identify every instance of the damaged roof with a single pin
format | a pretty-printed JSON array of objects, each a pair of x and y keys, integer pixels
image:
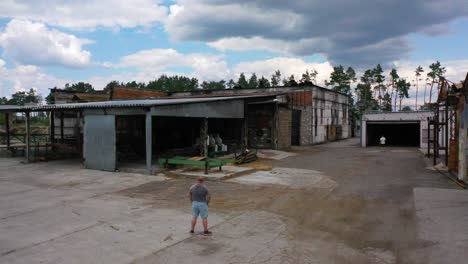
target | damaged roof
[{"x": 128, "y": 103}]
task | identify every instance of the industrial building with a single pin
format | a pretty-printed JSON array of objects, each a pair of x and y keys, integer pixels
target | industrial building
[
  {"x": 318, "y": 114},
  {"x": 106, "y": 134}
]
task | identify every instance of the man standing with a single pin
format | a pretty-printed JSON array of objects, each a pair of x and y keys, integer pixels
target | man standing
[
  {"x": 382, "y": 141},
  {"x": 200, "y": 198}
]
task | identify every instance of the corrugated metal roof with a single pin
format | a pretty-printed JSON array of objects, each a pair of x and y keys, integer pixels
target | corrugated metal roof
[
  {"x": 9, "y": 107},
  {"x": 126, "y": 103}
]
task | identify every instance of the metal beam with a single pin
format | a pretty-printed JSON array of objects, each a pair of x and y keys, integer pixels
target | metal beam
[
  {"x": 149, "y": 142},
  {"x": 28, "y": 137}
]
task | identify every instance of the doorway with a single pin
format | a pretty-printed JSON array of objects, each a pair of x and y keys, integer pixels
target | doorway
[{"x": 296, "y": 128}]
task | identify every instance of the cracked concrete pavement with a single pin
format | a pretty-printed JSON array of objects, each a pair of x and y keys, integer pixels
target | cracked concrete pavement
[{"x": 333, "y": 203}]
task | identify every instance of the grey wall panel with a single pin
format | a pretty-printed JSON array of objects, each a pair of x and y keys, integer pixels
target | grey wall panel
[
  {"x": 222, "y": 109},
  {"x": 99, "y": 142}
]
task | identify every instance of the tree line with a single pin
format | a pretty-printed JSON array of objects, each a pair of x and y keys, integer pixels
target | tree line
[
  {"x": 376, "y": 91},
  {"x": 178, "y": 83},
  {"x": 373, "y": 90}
]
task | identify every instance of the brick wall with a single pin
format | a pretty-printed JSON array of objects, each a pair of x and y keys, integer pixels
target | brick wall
[{"x": 131, "y": 93}]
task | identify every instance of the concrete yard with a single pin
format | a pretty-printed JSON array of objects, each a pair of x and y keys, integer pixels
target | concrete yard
[{"x": 331, "y": 203}]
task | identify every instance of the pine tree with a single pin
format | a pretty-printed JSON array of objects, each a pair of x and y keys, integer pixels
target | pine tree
[
  {"x": 379, "y": 80},
  {"x": 231, "y": 84},
  {"x": 402, "y": 88},
  {"x": 341, "y": 79},
  {"x": 263, "y": 82},
  {"x": 434, "y": 75},
  {"x": 393, "y": 79},
  {"x": 276, "y": 78},
  {"x": 242, "y": 82},
  {"x": 417, "y": 74},
  {"x": 253, "y": 81}
]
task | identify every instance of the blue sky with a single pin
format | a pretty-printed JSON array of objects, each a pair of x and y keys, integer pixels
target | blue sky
[{"x": 44, "y": 45}]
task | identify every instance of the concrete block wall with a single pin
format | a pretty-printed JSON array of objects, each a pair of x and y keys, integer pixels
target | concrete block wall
[
  {"x": 284, "y": 133},
  {"x": 329, "y": 108},
  {"x": 306, "y": 125}
]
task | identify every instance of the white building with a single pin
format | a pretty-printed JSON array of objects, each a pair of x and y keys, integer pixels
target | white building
[{"x": 399, "y": 128}]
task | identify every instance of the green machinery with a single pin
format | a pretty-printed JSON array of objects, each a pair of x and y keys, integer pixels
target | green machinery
[{"x": 207, "y": 163}]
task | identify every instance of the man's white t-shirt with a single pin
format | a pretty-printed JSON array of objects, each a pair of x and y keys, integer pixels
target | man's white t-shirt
[{"x": 382, "y": 141}]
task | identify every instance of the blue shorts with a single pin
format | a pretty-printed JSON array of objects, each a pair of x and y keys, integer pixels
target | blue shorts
[{"x": 200, "y": 209}]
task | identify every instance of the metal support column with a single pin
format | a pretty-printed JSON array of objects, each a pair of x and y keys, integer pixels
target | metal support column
[
  {"x": 52, "y": 127},
  {"x": 428, "y": 136},
  {"x": 245, "y": 129},
  {"x": 462, "y": 144},
  {"x": 62, "y": 136},
  {"x": 204, "y": 141},
  {"x": 275, "y": 126},
  {"x": 28, "y": 137},
  {"x": 149, "y": 142},
  {"x": 446, "y": 133},
  {"x": 435, "y": 138},
  {"x": 7, "y": 129},
  {"x": 79, "y": 142}
]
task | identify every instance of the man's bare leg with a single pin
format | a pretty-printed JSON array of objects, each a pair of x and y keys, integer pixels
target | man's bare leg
[
  {"x": 194, "y": 223},
  {"x": 205, "y": 224}
]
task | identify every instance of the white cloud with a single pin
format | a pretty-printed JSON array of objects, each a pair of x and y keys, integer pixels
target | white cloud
[
  {"x": 147, "y": 65},
  {"x": 25, "y": 77},
  {"x": 154, "y": 62},
  {"x": 287, "y": 67},
  {"x": 87, "y": 14},
  {"x": 28, "y": 42}
]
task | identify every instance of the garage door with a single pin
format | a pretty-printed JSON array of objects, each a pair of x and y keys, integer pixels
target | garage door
[{"x": 397, "y": 133}]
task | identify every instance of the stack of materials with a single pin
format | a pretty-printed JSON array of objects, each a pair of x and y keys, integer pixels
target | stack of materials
[{"x": 246, "y": 157}]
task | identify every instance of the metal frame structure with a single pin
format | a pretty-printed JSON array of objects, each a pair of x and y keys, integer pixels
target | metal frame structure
[
  {"x": 444, "y": 122},
  {"x": 206, "y": 107}
]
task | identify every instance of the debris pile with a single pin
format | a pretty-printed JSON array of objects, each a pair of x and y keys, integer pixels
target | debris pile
[{"x": 246, "y": 157}]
